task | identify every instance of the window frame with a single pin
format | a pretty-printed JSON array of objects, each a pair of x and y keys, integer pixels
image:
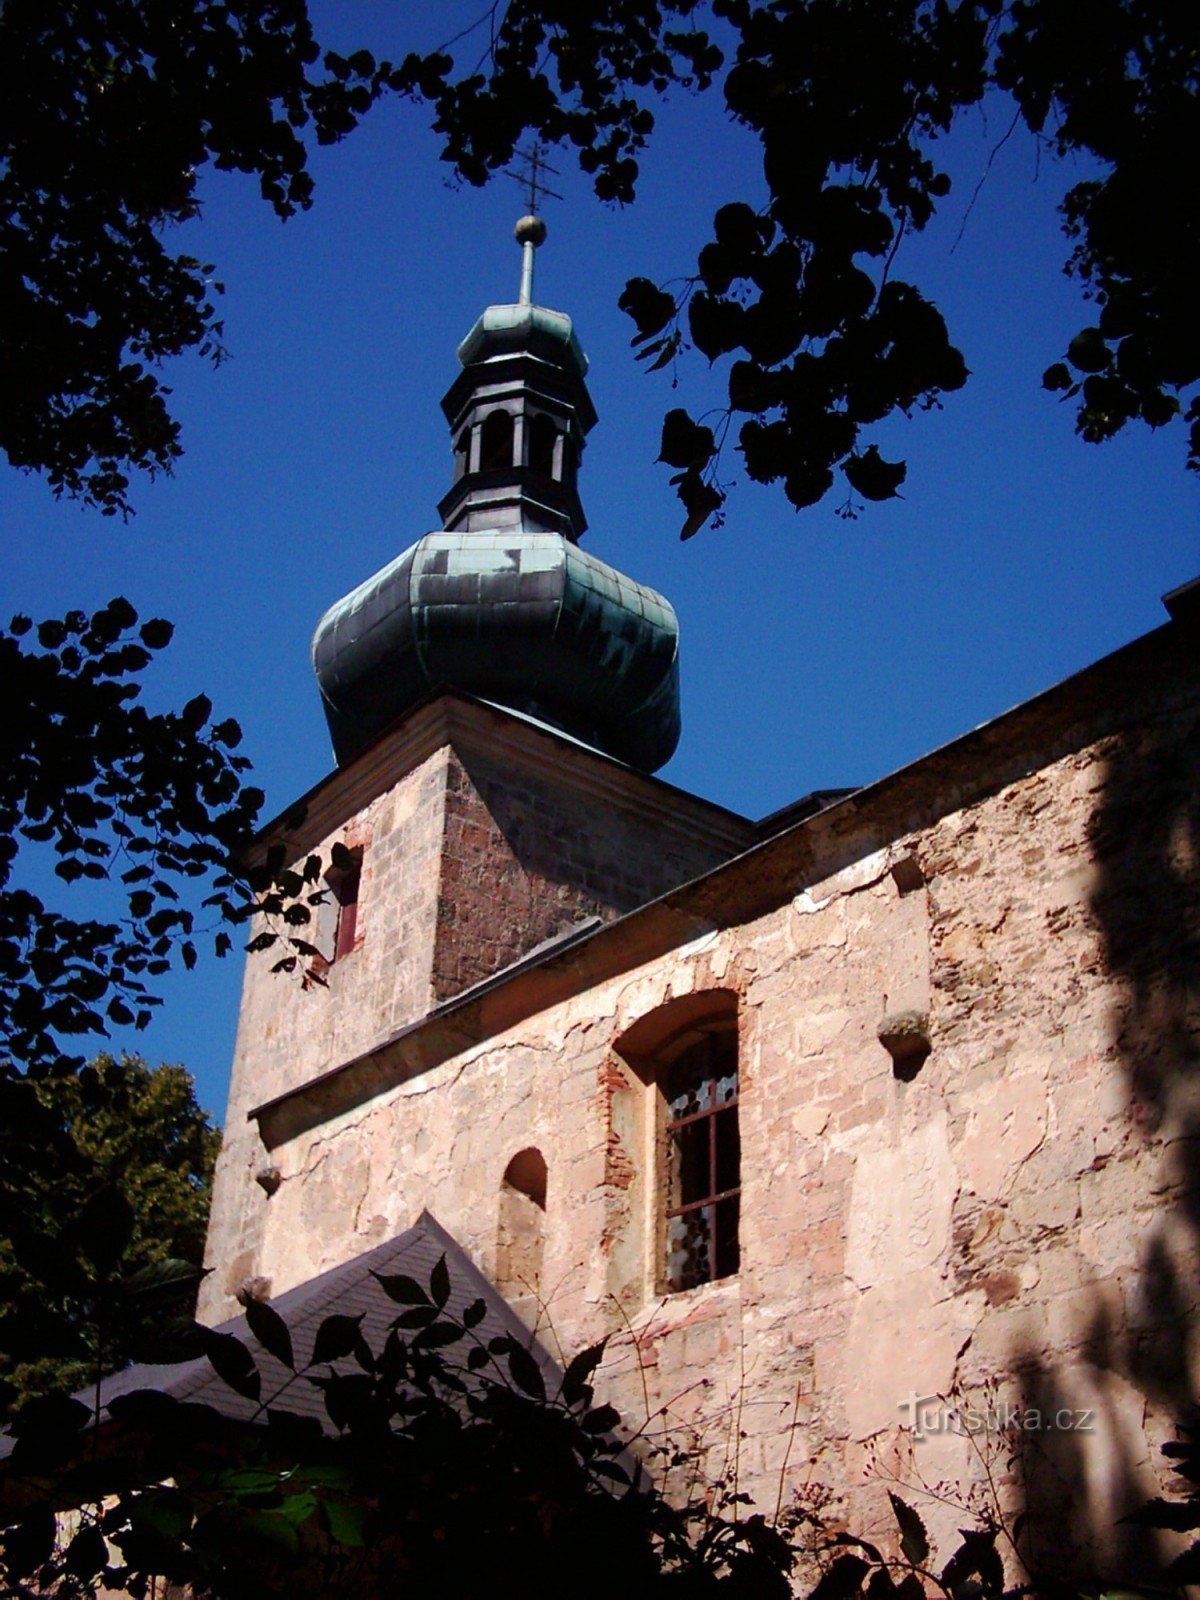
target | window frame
[
  {"x": 674, "y": 1168},
  {"x": 638, "y": 1160},
  {"x": 666, "y": 1059}
]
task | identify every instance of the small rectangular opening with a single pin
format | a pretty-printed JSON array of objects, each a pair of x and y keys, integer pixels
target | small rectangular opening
[{"x": 343, "y": 882}]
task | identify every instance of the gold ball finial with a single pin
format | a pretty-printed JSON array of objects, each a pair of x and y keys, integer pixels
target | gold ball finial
[{"x": 530, "y": 230}]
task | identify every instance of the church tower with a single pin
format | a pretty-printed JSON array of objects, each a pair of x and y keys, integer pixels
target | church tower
[{"x": 497, "y": 699}]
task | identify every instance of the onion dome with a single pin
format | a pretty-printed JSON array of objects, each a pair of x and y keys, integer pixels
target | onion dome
[{"x": 501, "y": 602}]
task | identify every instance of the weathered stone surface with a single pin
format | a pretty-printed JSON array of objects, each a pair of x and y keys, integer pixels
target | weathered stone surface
[
  {"x": 900, "y": 1205},
  {"x": 1019, "y": 1219}
]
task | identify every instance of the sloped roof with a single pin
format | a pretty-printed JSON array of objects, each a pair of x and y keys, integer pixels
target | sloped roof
[{"x": 347, "y": 1290}]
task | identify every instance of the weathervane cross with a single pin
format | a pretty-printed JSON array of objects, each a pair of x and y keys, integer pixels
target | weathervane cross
[
  {"x": 531, "y": 164},
  {"x": 531, "y": 230}
]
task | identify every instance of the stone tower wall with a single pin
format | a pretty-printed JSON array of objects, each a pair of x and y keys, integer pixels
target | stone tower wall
[{"x": 469, "y": 861}]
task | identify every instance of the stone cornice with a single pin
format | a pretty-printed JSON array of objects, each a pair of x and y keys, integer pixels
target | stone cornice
[{"x": 473, "y": 727}]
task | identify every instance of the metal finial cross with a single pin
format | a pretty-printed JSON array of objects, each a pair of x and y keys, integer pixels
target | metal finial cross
[
  {"x": 531, "y": 164},
  {"x": 531, "y": 230}
]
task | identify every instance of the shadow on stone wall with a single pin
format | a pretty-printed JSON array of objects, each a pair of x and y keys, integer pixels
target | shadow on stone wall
[{"x": 1134, "y": 1364}]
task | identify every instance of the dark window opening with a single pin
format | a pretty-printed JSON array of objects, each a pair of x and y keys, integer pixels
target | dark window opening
[
  {"x": 526, "y": 1173},
  {"x": 700, "y": 1088},
  {"x": 343, "y": 880},
  {"x": 542, "y": 434},
  {"x": 462, "y": 453},
  {"x": 496, "y": 442}
]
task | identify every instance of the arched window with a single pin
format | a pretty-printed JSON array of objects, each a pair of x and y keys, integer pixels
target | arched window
[
  {"x": 542, "y": 434},
  {"x": 496, "y": 442},
  {"x": 675, "y": 1123},
  {"x": 703, "y": 1159},
  {"x": 521, "y": 1230}
]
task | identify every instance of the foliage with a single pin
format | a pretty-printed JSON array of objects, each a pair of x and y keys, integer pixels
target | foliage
[
  {"x": 104, "y": 1187},
  {"x": 153, "y": 805},
  {"x": 454, "y": 1461},
  {"x": 1181, "y": 1515},
  {"x": 848, "y": 99},
  {"x": 105, "y": 790},
  {"x": 449, "y": 1466},
  {"x": 109, "y": 111},
  {"x": 857, "y": 1567}
]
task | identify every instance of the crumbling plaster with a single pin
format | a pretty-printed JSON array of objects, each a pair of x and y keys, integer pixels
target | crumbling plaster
[{"x": 1000, "y": 1225}]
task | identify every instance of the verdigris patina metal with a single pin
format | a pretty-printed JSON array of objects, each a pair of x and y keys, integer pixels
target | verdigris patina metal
[
  {"x": 526, "y": 619},
  {"x": 502, "y": 602}
]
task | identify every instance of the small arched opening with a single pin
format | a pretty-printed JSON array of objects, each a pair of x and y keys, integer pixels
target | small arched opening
[
  {"x": 462, "y": 453},
  {"x": 542, "y": 437},
  {"x": 496, "y": 442},
  {"x": 521, "y": 1229}
]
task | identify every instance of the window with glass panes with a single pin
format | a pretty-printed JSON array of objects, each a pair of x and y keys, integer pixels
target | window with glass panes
[{"x": 700, "y": 1089}]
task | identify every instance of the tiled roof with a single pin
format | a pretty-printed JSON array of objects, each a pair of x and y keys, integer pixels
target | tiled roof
[{"x": 348, "y": 1290}]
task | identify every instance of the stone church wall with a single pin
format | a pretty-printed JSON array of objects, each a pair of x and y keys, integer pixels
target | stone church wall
[
  {"x": 469, "y": 861},
  {"x": 1013, "y": 1226}
]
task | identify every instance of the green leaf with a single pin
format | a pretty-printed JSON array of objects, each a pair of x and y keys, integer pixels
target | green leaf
[
  {"x": 416, "y": 1317},
  {"x": 29, "y": 1543},
  {"x": 345, "y": 1523},
  {"x": 271, "y": 1331},
  {"x": 272, "y": 1529},
  {"x": 437, "y": 1335},
  {"x": 685, "y": 443},
  {"x": 872, "y": 476},
  {"x": 166, "y": 1511},
  {"x": 87, "y": 1553},
  {"x": 335, "y": 1338},
  {"x": 575, "y": 1384},
  {"x": 650, "y": 307},
  {"x": 156, "y": 634},
  {"x": 439, "y": 1283},
  {"x": 526, "y": 1373},
  {"x": 602, "y": 1420},
  {"x": 297, "y": 1508},
  {"x": 249, "y": 1483},
  {"x": 914, "y": 1541},
  {"x": 403, "y": 1290},
  {"x": 1088, "y": 351},
  {"x": 841, "y": 1580},
  {"x": 230, "y": 1360}
]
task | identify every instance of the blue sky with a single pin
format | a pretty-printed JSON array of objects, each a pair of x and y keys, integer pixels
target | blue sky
[{"x": 815, "y": 652}]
